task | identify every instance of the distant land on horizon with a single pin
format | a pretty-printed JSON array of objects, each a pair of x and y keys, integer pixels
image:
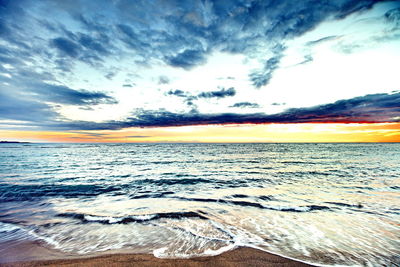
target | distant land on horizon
[{"x": 13, "y": 142}]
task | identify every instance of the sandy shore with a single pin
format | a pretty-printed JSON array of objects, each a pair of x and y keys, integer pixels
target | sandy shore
[{"x": 238, "y": 257}]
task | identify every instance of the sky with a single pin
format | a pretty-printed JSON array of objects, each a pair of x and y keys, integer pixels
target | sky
[{"x": 200, "y": 71}]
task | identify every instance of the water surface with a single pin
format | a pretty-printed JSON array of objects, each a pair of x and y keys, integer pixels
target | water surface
[{"x": 321, "y": 203}]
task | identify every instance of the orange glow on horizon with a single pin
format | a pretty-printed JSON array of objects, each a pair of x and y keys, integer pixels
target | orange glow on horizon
[{"x": 306, "y": 132}]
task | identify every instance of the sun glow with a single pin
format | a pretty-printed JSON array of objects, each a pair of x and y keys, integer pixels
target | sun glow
[{"x": 308, "y": 132}]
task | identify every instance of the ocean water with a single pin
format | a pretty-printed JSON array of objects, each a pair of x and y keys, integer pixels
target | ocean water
[{"x": 327, "y": 204}]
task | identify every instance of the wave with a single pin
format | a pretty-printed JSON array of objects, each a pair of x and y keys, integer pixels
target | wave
[
  {"x": 258, "y": 205},
  {"x": 151, "y": 195},
  {"x": 239, "y": 196},
  {"x": 15, "y": 192},
  {"x": 345, "y": 204},
  {"x": 6, "y": 227},
  {"x": 10, "y": 231},
  {"x": 87, "y": 218},
  {"x": 29, "y": 192},
  {"x": 266, "y": 198}
]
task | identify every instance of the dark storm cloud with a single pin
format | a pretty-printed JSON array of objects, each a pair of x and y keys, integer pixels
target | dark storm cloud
[
  {"x": 262, "y": 77},
  {"x": 82, "y": 47},
  {"x": 245, "y": 105},
  {"x": 9, "y": 27},
  {"x": 182, "y": 34},
  {"x": 187, "y": 59},
  {"x": 53, "y": 36},
  {"x": 369, "y": 108},
  {"x": 90, "y": 25},
  {"x": 218, "y": 94},
  {"x": 190, "y": 100},
  {"x": 128, "y": 31},
  {"x": 393, "y": 16},
  {"x": 93, "y": 44},
  {"x": 178, "y": 93},
  {"x": 365, "y": 109},
  {"x": 65, "y": 95},
  {"x": 41, "y": 86},
  {"x": 26, "y": 97},
  {"x": 4, "y": 31},
  {"x": 66, "y": 47},
  {"x": 132, "y": 38},
  {"x": 14, "y": 107}
]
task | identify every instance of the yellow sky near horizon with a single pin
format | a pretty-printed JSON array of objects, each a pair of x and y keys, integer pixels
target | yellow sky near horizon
[{"x": 305, "y": 132}]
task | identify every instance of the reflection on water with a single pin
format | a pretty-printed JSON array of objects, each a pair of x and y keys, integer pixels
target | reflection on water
[{"x": 321, "y": 203}]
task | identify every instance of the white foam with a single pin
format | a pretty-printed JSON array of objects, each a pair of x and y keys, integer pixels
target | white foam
[
  {"x": 111, "y": 220},
  {"x": 160, "y": 252},
  {"x": 298, "y": 208},
  {"x": 48, "y": 240},
  {"x": 144, "y": 217},
  {"x": 8, "y": 227},
  {"x": 102, "y": 218},
  {"x": 211, "y": 252}
]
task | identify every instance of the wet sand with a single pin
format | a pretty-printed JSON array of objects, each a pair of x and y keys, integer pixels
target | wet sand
[{"x": 235, "y": 258}]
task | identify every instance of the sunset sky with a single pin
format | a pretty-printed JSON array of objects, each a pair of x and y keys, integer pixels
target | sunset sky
[{"x": 200, "y": 71}]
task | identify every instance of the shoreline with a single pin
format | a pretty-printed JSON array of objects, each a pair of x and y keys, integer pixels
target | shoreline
[{"x": 241, "y": 256}]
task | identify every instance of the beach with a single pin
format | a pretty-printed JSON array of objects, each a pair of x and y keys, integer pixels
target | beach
[{"x": 242, "y": 256}]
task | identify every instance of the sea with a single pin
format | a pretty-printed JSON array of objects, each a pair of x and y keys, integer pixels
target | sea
[{"x": 321, "y": 203}]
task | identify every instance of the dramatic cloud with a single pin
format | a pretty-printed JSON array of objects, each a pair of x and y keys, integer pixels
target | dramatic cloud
[
  {"x": 245, "y": 105},
  {"x": 66, "y": 47},
  {"x": 187, "y": 59},
  {"x": 366, "y": 109},
  {"x": 190, "y": 100},
  {"x": 389, "y": 33},
  {"x": 369, "y": 108},
  {"x": 263, "y": 76},
  {"x": 93, "y": 44},
  {"x": 64, "y": 95},
  {"x": 18, "y": 108},
  {"x": 178, "y": 93},
  {"x": 211, "y": 94},
  {"x": 218, "y": 94},
  {"x": 183, "y": 35},
  {"x": 393, "y": 16}
]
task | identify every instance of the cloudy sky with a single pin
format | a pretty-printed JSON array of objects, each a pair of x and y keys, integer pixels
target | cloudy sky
[{"x": 119, "y": 70}]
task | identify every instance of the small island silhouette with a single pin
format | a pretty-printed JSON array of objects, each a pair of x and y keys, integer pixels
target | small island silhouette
[{"x": 13, "y": 142}]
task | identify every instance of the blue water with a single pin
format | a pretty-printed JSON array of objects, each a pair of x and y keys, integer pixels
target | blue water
[{"x": 325, "y": 204}]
